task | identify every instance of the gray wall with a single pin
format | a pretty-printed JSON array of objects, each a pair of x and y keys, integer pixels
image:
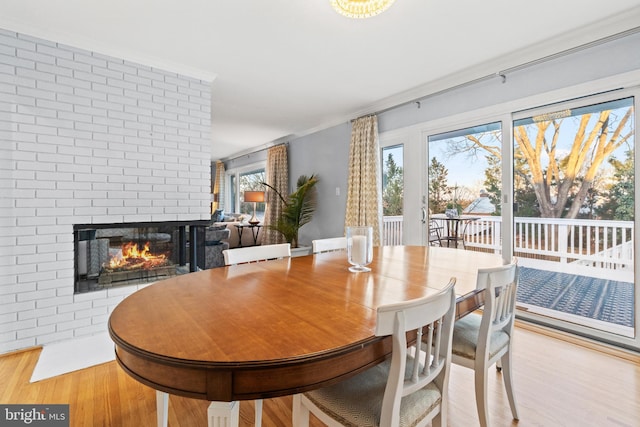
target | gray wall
[{"x": 325, "y": 153}]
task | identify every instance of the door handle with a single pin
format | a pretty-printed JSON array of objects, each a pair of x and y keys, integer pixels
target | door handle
[{"x": 424, "y": 216}]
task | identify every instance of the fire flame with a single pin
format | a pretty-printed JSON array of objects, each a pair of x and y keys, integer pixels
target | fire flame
[{"x": 133, "y": 258}]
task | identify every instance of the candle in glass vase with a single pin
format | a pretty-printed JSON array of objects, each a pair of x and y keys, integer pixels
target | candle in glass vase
[{"x": 359, "y": 250}]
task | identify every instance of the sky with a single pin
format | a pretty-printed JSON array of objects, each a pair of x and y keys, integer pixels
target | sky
[{"x": 463, "y": 171}]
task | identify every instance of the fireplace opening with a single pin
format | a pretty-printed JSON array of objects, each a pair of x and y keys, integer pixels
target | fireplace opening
[{"x": 109, "y": 255}]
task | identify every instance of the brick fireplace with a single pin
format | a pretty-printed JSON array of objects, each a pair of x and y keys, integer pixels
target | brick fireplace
[{"x": 93, "y": 140}]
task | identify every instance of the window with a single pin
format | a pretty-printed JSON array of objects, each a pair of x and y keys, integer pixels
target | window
[{"x": 248, "y": 178}]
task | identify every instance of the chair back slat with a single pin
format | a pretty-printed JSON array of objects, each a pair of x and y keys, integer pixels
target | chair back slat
[
  {"x": 436, "y": 353},
  {"x": 505, "y": 306},
  {"x": 417, "y": 356},
  {"x": 427, "y": 365},
  {"x": 501, "y": 285}
]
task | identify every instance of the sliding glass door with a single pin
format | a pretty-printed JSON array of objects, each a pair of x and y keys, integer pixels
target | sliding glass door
[
  {"x": 555, "y": 186},
  {"x": 570, "y": 172},
  {"x": 574, "y": 192}
]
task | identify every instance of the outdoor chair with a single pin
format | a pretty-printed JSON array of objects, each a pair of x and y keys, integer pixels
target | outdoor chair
[
  {"x": 480, "y": 341},
  {"x": 435, "y": 233},
  {"x": 410, "y": 388}
]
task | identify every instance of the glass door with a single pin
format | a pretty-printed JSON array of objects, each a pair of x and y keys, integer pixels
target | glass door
[
  {"x": 574, "y": 214},
  {"x": 392, "y": 195},
  {"x": 464, "y": 188}
]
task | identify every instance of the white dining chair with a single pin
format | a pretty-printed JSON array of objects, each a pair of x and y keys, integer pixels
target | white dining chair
[
  {"x": 256, "y": 253},
  {"x": 482, "y": 340},
  {"x": 253, "y": 254},
  {"x": 410, "y": 388},
  {"x": 329, "y": 244}
]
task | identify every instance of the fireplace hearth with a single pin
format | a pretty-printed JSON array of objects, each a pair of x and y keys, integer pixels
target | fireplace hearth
[{"x": 110, "y": 255}]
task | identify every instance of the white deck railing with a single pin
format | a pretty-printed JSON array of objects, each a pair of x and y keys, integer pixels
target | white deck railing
[
  {"x": 392, "y": 230},
  {"x": 593, "y": 247}
]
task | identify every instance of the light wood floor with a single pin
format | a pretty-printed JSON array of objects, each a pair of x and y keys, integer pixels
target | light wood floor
[{"x": 558, "y": 382}]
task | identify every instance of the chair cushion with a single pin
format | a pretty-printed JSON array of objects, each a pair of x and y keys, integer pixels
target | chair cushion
[
  {"x": 465, "y": 337},
  {"x": 358, "y": 400}
]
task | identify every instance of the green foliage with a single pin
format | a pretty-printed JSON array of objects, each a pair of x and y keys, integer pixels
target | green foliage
[
  {"x": 527, "y": 203},
  {"x": 298, "y": 208},
  {"x": 439, "y": 191},
  {"x": 493, "y": 183},
  {"x": 393, "y": 187},
  {"x": 526, "y": 200},
  {"x": 619, "y": 203}
]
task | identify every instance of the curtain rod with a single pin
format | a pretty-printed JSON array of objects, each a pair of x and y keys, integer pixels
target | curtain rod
[
  {"x": 363, "y": 117},
  {"x": 255, "y": 150},
  {"x": 503, "y": 73}
]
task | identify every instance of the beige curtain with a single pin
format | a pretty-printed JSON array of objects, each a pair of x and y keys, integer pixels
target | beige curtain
[
  {"x": 364, "y": 198},
  {"x": 277, "y": 175},
  {"x": 218, "y": 187}
]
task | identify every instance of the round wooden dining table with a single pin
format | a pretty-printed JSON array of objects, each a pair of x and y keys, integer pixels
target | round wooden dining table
[{"x": 276, "y": 327}]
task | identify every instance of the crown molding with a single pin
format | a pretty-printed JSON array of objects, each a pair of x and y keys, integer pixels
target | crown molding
[{"x": 105, "y": 49}]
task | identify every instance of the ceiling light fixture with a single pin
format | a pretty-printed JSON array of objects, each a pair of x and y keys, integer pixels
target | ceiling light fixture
[{"x": 360, "y": 8}]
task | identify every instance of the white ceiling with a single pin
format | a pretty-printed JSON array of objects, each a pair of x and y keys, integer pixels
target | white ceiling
[{"x": 285, "y": 68}]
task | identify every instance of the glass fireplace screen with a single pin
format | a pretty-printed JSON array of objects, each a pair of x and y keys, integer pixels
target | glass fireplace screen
[{"x": 120, "y": 255}]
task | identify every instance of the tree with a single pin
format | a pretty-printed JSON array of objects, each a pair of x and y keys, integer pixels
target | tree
[
  {"x": 392, "y": 188},
  {"x": 589, "y": 149},
  {"x": 439, "y": 190},
  {"x": 252, "y": 181},
  {"x": 561, "y": 179},
  {"x": 460, "y": 197},
  {"x": 619, "y": 200},
  {"x": 493, "y": 182}
]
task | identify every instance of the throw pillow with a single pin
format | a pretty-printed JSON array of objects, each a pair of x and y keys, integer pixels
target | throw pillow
[{"x": 217, "y": 216}]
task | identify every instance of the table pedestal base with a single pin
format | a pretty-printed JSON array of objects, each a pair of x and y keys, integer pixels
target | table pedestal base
[
  {"x": 223, "y": 414},
  {"x": 219, "y": 414}
]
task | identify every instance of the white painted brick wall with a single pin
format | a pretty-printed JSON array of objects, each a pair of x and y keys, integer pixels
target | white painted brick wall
[{"x": 86, "y": 138}]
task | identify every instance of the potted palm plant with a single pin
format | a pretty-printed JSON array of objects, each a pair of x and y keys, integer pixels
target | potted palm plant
[{"x": 298, "y": 208}]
